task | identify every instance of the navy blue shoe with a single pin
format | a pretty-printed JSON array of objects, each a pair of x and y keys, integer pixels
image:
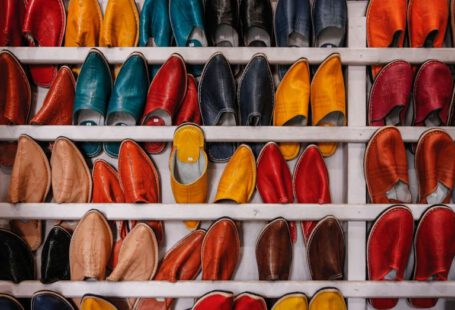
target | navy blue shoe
[
  {"x": 329, "y": 22},
  {"x": 8, "y": 302},
  {"x": 48, "y": 300}
]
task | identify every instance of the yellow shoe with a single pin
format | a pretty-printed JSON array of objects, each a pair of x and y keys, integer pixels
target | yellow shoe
[
  {"x": 96, "y": 303},
  {"x": 121, "y": 24},
  {"x": 188, "y": 167},
  {"x": 328, "y": 98},
  {"x": 328, "y": 299},
  {"x": 83, "y": 23},
  {"x": 239, "y": 177},
  {"x": 291, "y": 103},
  {"x": 294, "y": 301}
]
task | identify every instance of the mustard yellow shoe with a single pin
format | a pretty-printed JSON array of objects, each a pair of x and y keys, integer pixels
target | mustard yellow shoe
[
  {"x": 121, "y": 24},
  {"x": 188, "y": 167},
  {"x": 83, "y": 23},
  {"x": 291, "y": 103},
  {"x": 239, "y": 177},
  {"x": 90, "y": 302},
  {"x": 328, "y": 98},
  {"x": 328, "y": 299},
  {"x": 293, "y": 301}
]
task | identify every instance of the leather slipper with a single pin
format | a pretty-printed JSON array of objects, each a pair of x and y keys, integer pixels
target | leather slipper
[
  {"x": 328, "y": 298},
  {"x": 154, "y": 24},
  {"x": 256, "y": 19},
  {"x": 49, "y": 300},
  {"x": 106, "y": 183},
  {"x": 222, "y": 23},
  {"x": 294, "y": 301},
  {"x": 330, "y": 19},
  {"x": 120, "y": 25},
  {"x": 12, "y": 15},
  {"x": 91, "y": 302},
  {"x": 249, "y": 301},
  {"x": 8, "y": 302},
  {"x": 83, "y": 23},
  {"x": 55, "y": 262},
  {"x": 216, "y": 300},
  {"x": 16, "y": 259},
  {"x": 188, "y": 111}
]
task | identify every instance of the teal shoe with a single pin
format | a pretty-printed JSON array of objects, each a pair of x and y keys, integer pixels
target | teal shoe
[
  {"x": 128, "y": 97},
  {"x": 93, "y": 89}
]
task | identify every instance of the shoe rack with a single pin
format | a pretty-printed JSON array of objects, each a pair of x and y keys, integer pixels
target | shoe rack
[{"x": 345, "y": 169}]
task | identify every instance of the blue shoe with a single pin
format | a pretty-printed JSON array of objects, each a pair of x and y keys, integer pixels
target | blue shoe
[
  {"x": 48, "y": 300},
  {"x": 329, "y": 22},
  {"x": 128, "y": 97},
  {"x": 93, "y": 89},
  {"x": 8, "y": 302}
]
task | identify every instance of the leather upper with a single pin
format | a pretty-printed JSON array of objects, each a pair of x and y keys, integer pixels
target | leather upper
[
  {"x": 328, "y": 299},
  {"x": 48, "y": 300},
  {"x": 186, "y": 17},
  {"x": 427, "y": 22},
  {"x": 215, "y": 301},
  {"x": 293, "y": 26},
  {"x": 294, "y": 301},
  {"x": 8, "y": 302},
  {"x": 154, "y": 24},
  {"x": 220, "y": 250},
  {"x": 330, "y": 18},
  {"x": 55, "y": 263},
  {"x": 390, "y": 94},
  {"x": 188, "y": 111},
  {"x": 238, "y": 181},
  {"x": 57, "y": 108},
  {"x": 256, "y": 14},
  {"x": 120, "y": 25},
  {"x": 83, "y": 23},
  {"x": 16, "y": 258},
  {"x": 11, "y": 19},
  {"x": 90, "y": 302},
  {"x": 106, "y": 184},
  {"x": 274, "y": 251},
  {"x": 222, "y": 21},
  {"x": 248, "y": 301},
  {"x": 39, "y": 33}
]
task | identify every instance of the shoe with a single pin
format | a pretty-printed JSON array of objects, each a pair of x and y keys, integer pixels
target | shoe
[
  {"x": 248, "y": 301},
  {"x": 106, "y": 184},
  {"x": 30, "y": 183},
  {"x": 434, "y": 248},
  {"x": 386, "y": 167},
  {"x": 91, "y": 302},
  {"x": 188, "y": 164},
  {"x": 55, "y": 262},
  {"x": 330, "y": 19},
  {"x": 188, "y": 111},
  {"x": 220, "y": 251},
  {"x": 435, "y": 169},
  {"x": 274, "y": 251},
  {"x": 292, "y": 100},
  {"x": 128, "y": 97},
  {"x": 154, "y": 24},
  {"x": 329, "y": 298},
  {"x": 388, "y": 249},
  {"x": 238, "y": 181},
  {"x": 49, "y": 300},
  {"x": 293, "y": 301},
  {"x": 8, "y": 302},
  {"x": 120, "y": 25},
  {"x": 12, "y": 15},
  {"x": 83, "y": 23},
  {"x": 222, "y": 22},
  {"x": 215, "y": 300},
  {"x": 328, "y": 104},
  {"x": 218, "y": 108},
  {"x": 15, "y": 101},
  {"x": 256, "y": 19},
  {"x": 16, "y": 258},
  {"x": 94, "y": 78},
  {"x": 390, "y": 95}
]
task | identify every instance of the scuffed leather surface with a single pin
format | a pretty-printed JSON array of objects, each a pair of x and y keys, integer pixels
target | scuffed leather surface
[
  {"x": 220, "y": 12},
  {"x": 120, "y": 25},
  {"x": 434, "y": 163},
  {"x": 188, "y": 111},
  {"x": 90, "y": 302},
  {"x": 255, "y": 95},
  {"x": 216, "y": 98},
  {"x": 248, "y": 301},
  {"x": 155, "y": 26},
  {"x": 44, "y": 25},
  {"x": 83, "y": 23},
  {"x": 55, "y": 263},
  {"x": 295, "y": 301},
  {"x": 256, "y": 13},
  {"x": 328, "y": 14},
  {"x": 385, "y": 164},
  {"x": 425, "y": 17},
  {"x": 274, "y": 251},
  {"x": 106, "y": 184},
  {"x": 48, "y": 300},
  {"x": 8, "y": 302},
  {"x": 388, "y": 249},
  {"x": 220, "y": 250},
  {"x": 215, "y": 301},
  {"x": 11, "y": 18},
  {"x": 185, "y": 16},
  {"x": 391, "y": 89},
  {"x": 16, "y": 258},
  {"x": 328, "y": 299},
  {"x": 57, "y": 108}
]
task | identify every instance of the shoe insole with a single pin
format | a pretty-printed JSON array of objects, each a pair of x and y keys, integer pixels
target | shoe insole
[
  {"x": 429, "y": 41},
  {"x": 330, "y": 37},
  {"x": 226, "y": 36},
  {"x": 298, "y": 120},
  {"x": 296, "y": 39},
  {"x": 157, "y": 117},
  {"x": 120, "y": 118},
  {"x": 438, "y": 195},
  {"x": 256, "y": 34},
  {"x": 333, "y": 118},
  {"x": 188, "y": 172},
  {"x": 400, "y": 192},
  {"x": 89, "y": 118},
  {"x": 227, "y": 119},
  {"x": 433, "y": 119},
  {"x": 393, "y": 118},
  {"x": 391, "y": 275},
  {"x": 197, "y": 38}
]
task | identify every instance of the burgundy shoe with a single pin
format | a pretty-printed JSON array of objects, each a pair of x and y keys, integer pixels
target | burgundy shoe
[{"x": 11, "y": 19}]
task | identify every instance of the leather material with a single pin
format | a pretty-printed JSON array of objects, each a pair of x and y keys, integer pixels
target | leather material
[
  {"x": 434, "y": 245},
  {"x": 434, "y": 164},
  {"x": 48, "y": 300},
  {"x": 238, "y": 181},
  {"x": 188, "y": 111},
  {"x": 16, "y": 258},
  {"x": 188, "y": 164},
  {"x": 255, "y": 94},
  {"x": 328, "y": 299},
  {"x": 293, "y": 301},
  {"x": 388, "y": 249},
  {"x": 181, "y": 262},
  {"x": 83, "y": 23},
  {"x": 55, "y": 262},
  {"x": 292, "y": 100},
  {"x": 48, "y": 33},
  {"x": 120, "y": 25},
  {"x": 390, "y": 94},
  {"x": 217, "y": 102},
  {"x": 106, "y": 184},
  {"x": 8, "y": 302},
  {"x": 165, "y": 94},
  {"x": 215, "y": 301},
  {"x": 274, "y": 251},
  {"x": 327, "y": 101},
  {"x": 432, "y": 94},
  {"x": 256, "y": 14},
  {"x": 94, "y": 78},
  {"x": 248, "y": 301},
  {"x": 154, "y": 24},
  {"x": 221, "y": 14},
  {"x": 385, "y": 164},
  {"x": 187, "y": 16},
  {"x": 71, "y": 179},
  {"x": 427, "y": 22},
  {"x": 326, "y": 250},
  {"x": 386, "y": 25},
  {"x": 15, "y": 101},
  {"x": 90, "y": 302},
  {"x": 220, "y": 250},
  {"x": 328, "y": 16},
  {"x": 128, "y": 97},
  {"x": 30, "y": 182},
  {"x": 140, "y": 179},
  {"x": 11, "y": 19},
  {"x": 311, "y": 182},
  {"x": 57, "y": 108},
  {"x": 90, "y": 247}
]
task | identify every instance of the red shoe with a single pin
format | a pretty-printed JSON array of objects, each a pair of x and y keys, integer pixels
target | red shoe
[
  {"x": 188, "y": 111},
  {"x": 12, "y": 14},
  {"x": 248, "y": 301},
  {"x": 215, "y": 301}
]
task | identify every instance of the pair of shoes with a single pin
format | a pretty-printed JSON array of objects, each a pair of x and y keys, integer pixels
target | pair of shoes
[
  {"x": 391, "y": 93},
  {"x": 326, "y": 94},
  {"x": 390, "y": 243},
  {"x": 386, "y": 167}
]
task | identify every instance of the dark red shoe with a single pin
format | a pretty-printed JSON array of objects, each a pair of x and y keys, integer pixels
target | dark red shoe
[
  {"x": 12, "y": 14},
  {"x": 188, "y": 111}
]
